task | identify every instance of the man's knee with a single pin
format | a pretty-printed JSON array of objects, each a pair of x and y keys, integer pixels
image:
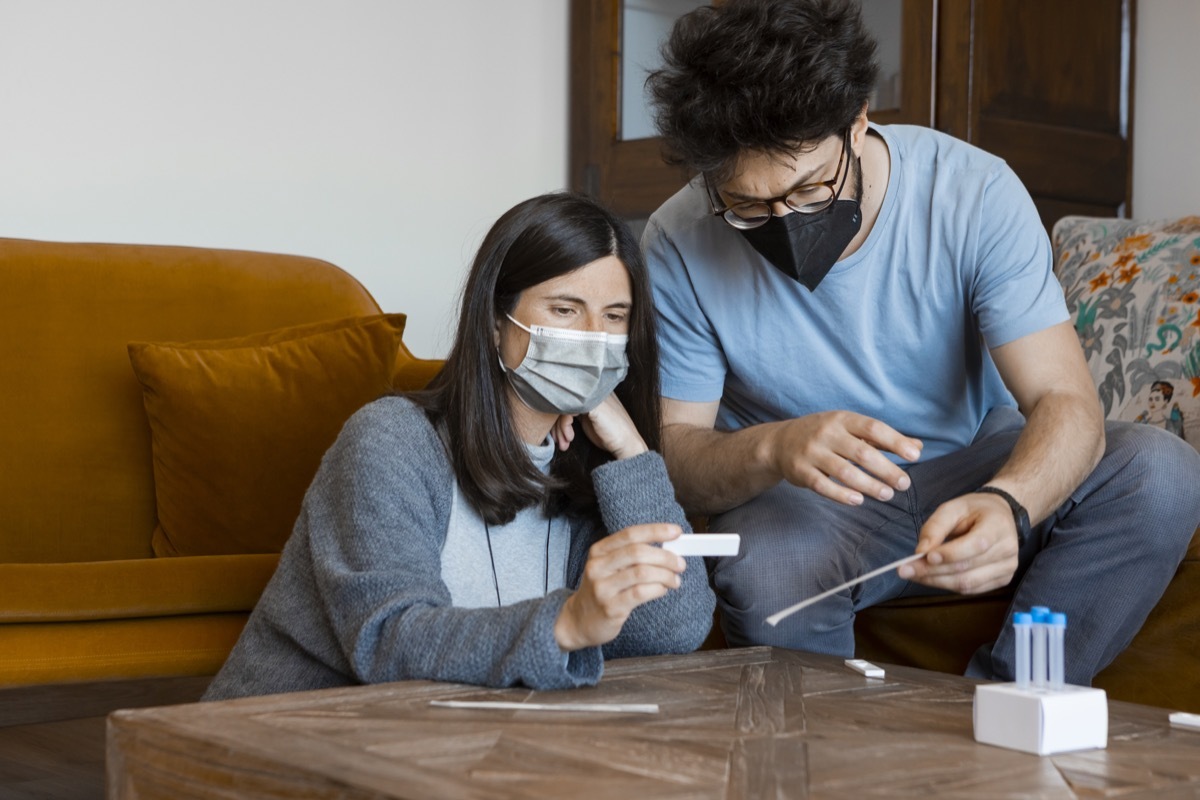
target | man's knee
[
  {"x": 826, "y": 627},
  {"x": 1156, "y": 471},
  {"x": 1154, "y": 461},
  {"x": 770, "y": 576},
  {"x": 829, "y": 629}
]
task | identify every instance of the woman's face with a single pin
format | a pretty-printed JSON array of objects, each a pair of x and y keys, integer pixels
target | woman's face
[{"x": 596, "y": 297}]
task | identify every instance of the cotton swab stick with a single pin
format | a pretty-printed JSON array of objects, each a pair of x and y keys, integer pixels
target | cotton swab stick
[
  {"x": 617, "y": 708},
  {"x": 787, "y": 612}
]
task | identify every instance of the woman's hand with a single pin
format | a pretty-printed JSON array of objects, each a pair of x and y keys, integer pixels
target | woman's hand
[
  {"x": 623, "y": 571},
  {"x": 608, "y": 426}
]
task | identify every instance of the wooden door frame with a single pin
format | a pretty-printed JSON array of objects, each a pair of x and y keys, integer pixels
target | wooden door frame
[{"x": 629, "y": 176}]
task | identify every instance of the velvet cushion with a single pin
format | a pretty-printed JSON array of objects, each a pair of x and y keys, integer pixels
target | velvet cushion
[
  {"x": 238, "y": 426},
  {"x": 1133, "y": 290}
]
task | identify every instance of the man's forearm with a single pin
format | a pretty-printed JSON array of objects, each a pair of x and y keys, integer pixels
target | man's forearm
[
  {"x": 1061, "y": 444},
  {"x": 714, "y": 471}
]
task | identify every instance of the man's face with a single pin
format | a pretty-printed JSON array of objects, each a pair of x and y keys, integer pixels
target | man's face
[{"x": 771, "y": 176}]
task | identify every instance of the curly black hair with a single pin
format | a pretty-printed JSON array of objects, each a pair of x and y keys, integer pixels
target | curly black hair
[{"x": 766, "y": 76}]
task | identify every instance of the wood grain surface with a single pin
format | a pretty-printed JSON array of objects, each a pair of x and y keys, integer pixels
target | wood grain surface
[{"x": 746, "y": 723}]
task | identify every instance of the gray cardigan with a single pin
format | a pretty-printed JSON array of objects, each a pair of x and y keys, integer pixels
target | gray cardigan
[{"x": 358, "y": 598}]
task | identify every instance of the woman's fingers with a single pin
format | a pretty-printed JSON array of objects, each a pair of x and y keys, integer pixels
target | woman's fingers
[
  {"x": 609, "y": 427},
  {"x": 623, "y": 571},
  {"x": 614, "y": 575},
  {"x": 657, "y": 532},
  {"x": 564, "y": 431}
]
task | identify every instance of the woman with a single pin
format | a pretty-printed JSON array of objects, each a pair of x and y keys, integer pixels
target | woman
[{"x": 501, "y": 527}]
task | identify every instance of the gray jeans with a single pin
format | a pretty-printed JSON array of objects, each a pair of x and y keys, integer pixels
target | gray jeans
[{"x": 1104, "y": 557}]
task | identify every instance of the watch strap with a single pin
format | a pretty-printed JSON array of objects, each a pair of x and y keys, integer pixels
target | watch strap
[{"x": 1020, "y": 515}]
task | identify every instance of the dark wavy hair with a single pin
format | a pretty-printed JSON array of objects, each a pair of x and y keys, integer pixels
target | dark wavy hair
[
  {"x": 533, "y": 242},
  {"x": 769, "y": 76}
]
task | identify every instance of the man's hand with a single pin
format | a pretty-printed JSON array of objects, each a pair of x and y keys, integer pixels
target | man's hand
[
  {"x": 970, "y": 544},
  {"x": 623, "y": 571},
  {"x": 838, "y": 454}
]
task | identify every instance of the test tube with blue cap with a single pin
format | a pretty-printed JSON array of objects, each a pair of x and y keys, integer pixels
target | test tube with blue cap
[
  {"x": 1023, "y": 630},
  {"x": 1056, "y": 632},
  {"x": 1041, "y": 619}
]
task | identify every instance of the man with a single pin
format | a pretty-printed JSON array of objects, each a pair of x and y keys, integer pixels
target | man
[{"x": 850, "y": 318}]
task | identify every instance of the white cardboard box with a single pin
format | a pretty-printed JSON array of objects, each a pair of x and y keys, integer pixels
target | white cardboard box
[{"x": 1041, "y": 721}]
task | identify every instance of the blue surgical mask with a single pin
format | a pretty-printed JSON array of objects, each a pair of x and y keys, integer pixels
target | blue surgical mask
[{"x": 567, "y": 371}]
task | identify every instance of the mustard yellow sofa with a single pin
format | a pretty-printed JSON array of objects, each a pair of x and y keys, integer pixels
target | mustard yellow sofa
[{"x": 83, "y": 595}]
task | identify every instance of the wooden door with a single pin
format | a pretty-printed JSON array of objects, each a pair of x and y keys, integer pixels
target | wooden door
[
  {"x": 1047, "y": 86},
  {"x": 628, "y": 175}
]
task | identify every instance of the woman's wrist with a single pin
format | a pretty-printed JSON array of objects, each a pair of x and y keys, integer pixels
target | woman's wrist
[
  {"x": 631, "y": 449},
  {"x": 564, "y": 628}
]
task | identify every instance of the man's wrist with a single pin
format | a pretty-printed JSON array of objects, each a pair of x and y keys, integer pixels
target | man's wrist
[
  {"x": 765, "y": 448},
  {"x": 1020, "y": 515}
]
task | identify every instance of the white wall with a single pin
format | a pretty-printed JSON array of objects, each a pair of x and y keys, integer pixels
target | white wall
[
  {"x": 383, "y": 135},
  {"x": 1166, "y": 122}
]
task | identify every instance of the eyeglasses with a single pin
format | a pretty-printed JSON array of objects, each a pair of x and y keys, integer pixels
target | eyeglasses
[{"x": 807, "y": 199}]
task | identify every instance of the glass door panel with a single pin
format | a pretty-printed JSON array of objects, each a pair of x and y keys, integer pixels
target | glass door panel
[
  {"x": 883, "y": 19},
  {"x": 645, "y": 24}
]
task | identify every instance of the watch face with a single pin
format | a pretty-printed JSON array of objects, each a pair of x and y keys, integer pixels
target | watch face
[{"x": 1020, "y": 516}]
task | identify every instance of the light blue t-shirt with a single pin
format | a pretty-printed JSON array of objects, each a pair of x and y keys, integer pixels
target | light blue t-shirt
[{"x": 957, "y": 261}]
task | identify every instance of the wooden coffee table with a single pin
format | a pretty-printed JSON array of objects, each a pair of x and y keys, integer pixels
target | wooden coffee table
[{"x": 746, "y": 723}]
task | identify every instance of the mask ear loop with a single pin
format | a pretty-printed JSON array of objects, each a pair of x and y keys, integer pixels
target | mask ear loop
[
  {"x": 519, "y": 325},
  {"x": 499, "y": 358},
  {"x": 505, "y": 370},
  {"x": 562, "y": 333}
]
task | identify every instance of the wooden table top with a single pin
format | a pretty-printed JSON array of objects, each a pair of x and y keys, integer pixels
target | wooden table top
[{"x": 745, "y": 723}]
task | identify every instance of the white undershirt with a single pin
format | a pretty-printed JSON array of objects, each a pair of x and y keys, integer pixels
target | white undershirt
[{"x": 519, "y": 549}]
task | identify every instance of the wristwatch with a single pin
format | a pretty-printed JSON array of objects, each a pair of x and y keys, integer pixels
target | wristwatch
[{"x": 1020, "y": 515}]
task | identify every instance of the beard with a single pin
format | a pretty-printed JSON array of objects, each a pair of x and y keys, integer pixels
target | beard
[{"x": 856, "y": 167}]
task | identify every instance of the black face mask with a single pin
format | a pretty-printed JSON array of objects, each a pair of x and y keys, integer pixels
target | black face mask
[{"x": 806, "y": 246}]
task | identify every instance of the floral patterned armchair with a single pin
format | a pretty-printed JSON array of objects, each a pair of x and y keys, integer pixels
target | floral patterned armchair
[{"x": 1133, "y": 289}]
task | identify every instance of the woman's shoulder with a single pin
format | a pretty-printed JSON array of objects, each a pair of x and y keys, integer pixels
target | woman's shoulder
[
  {"x": 390, "y": 415},
  {"x": 391, "y": 424}
]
